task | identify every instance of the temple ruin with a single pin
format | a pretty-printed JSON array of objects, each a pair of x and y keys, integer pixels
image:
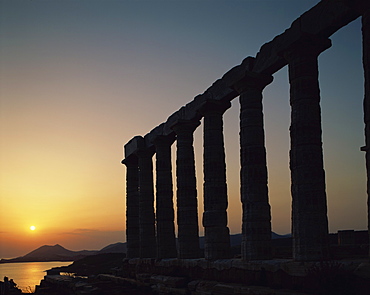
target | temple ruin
[{"x": 151, "y": 231}]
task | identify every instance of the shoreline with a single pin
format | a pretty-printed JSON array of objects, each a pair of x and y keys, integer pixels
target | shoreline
[
  {"x": 28, "y": 274},
  {"x": 53, "y": 260}
]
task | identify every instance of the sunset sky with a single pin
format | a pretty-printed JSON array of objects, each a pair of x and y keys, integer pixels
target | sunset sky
[{"x": 80, "y": 78}]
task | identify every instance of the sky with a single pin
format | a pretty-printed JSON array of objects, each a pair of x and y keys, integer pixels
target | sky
[{"x": 80, "y": 78}]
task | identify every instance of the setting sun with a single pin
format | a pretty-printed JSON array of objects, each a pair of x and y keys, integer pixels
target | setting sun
[{"x": 32, "y": 227}]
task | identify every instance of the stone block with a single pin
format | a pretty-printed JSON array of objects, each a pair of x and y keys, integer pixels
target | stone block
[
  {"x": 190, "y": 112},
  {"x": 322, "y": 21},
  {"x": 133, "y": 145},
  {"x": 238, "y": 73},
  {"x": 363, "y": 270},
  {"x": 161, "y": 289},
  {"x": 225, "y": 289},
  {"x": 143, "y": 277},
  {"x": 326, "y": 18},
  {"x": 171, "y": 121},
  {"x": 174, "y": 282},
  {"x": 193, "y": 285},
  {"x": 153, "y": 134},
  {"x": 221, "y": 91},
  {"x": 205, "y": 287},
  {"x": 267, "y": 60},
  {"x": 194, "y": 106}
]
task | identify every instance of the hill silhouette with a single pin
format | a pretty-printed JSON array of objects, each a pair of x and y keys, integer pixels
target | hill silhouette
[
  {"x": 114, "y": 248},
  {"x": 59, "y": 253},
  {"x": 51, "y": 253}
]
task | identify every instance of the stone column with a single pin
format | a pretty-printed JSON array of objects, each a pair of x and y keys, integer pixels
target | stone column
[
  {"x": 132, "y": 206},
  {"x": 166, "y": 241},
  {"x": 217, "y": 238},
  {"x": 309, "y": 209},
  {"x": 256, "y": 226},
  {"x": 366, "y": 65},
  {"x": 146, "y": 202},
  {"x": 187, "y": 206}
]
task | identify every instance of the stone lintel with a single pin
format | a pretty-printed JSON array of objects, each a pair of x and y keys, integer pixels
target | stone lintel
[
  {"x": 193, "y": 124},
  {"x": 238, "y": 73},
  {"x": 221, "y": 91},
  {"x": 169, "y": 139},
  {"x": 137, "y": 145},
  {"x": 169, "y": 122},
  {"x": 160, "y": 133},
  {"x": 190, "y": 111},
  {"x": 309, "y": 45},
  {"x": 268, "y": 61},
  {"x": 327, "y": 17},
  {"x": 360, "y": 6},
  {"x": 152, "y": 135},
  {"x": 322, "y": 20},
  {"x": 184, "y": 116},
  {"x": 211, "y": 105}
]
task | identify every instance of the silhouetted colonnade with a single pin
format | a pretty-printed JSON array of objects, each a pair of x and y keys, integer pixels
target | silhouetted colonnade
[{"x": 151, "y": 233}]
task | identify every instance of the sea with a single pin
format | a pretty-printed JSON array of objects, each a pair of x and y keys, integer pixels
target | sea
[{"x": 28, "y": 274}]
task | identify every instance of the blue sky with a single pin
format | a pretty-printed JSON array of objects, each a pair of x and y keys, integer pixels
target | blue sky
[{"x": 79, "y": 79}]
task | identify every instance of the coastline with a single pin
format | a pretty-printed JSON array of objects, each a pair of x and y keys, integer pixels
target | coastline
[
  {"x": 36, "y": 260},
  {"x": 28, "y": 274}
]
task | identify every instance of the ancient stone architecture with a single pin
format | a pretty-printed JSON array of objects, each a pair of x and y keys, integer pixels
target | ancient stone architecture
[{"x": 151, "y": 232}]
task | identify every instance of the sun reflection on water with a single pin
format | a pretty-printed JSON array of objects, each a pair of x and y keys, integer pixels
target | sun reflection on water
[{"x": 28, "y": 275}]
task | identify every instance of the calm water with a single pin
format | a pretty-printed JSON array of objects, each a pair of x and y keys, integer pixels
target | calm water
[{"x": 27, "y": 274}]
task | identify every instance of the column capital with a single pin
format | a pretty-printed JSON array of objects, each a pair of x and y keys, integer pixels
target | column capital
[
  {"x": 252, "y": 80},
  {"x": 215, "y": 106},
  {"x": 185, "y": 125},
  {"x": 145, "y": 152},
  {"x": 306, "y": 45},
  {"x": 164, "y": 140},
  {"x": 130, "y": 161}
]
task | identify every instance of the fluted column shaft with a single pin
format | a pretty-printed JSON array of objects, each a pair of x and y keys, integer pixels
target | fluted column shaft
[
  {"x": 187, "y": 205},
  {"x": 217, "y": 234},
  {"x": 132, "y": 207},
  {"x": 366, "y": 65},
  {"x": 256, "y": 226},
  {"x": 146, "y": 202},
  {"x": 309, "y": 209},
  {"x": 166, "y": 240}
]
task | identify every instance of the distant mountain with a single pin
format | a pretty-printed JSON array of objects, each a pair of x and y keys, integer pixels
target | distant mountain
[
  {"x": 51, "y": 253},
  {"x": 59, "y": 253},
  {"x": 277, "y": 236},
  {"x": 114, "y": 248}
]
